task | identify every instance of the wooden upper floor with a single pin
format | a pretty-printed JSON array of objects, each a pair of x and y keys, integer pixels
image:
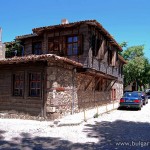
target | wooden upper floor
[{"x": 86, "y": 42}]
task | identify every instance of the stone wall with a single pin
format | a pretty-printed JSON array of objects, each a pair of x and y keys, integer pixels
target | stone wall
[
  {"x": 69, "y": 92},
  {"x": 119, "y": 90},
  {"x": 61, "y": 98}
]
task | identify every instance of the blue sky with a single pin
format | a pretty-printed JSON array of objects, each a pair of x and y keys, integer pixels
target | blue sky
[{"x": 126, "y": 20}]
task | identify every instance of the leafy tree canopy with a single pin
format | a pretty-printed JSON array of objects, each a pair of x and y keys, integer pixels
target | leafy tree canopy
[
  {"x": 13, "y": 49},
  {"x": 137, "y": 68}
]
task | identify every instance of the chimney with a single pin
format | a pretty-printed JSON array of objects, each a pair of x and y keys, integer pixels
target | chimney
[{"x": 64, "y": 21}]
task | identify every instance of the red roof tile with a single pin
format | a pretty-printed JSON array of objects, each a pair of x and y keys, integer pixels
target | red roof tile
[
  {"x": 90, "y": 22},
  {"x": 34, "y": 58}
]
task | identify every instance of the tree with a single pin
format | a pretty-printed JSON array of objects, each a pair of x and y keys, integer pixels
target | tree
[
  {"x": 13, "y": 49},
  {"x": 137, "y": 67}
]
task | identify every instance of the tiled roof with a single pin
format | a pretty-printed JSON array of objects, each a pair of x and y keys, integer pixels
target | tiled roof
[
  {"x": 26, "y": 36},
  {"x": 61, "y": 26},
  {"x": 35, "y": 58},
  {"x": 122, "y": 59}
]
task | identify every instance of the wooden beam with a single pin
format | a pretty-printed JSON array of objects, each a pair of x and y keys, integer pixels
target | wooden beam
[
  {"x": 108, "y": 86},
  {"x": 82, "y": 81},
  {"x": 89, "y": 83},
  {"x": 96, "y": 83},
  {"x": 112, "y": 84}
]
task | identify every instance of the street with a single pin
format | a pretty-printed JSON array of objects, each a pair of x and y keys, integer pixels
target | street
[{"x": 119, "y": 129}]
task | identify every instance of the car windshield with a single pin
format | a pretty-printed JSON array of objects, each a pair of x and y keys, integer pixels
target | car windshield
[{"x": 131, "y": 94}]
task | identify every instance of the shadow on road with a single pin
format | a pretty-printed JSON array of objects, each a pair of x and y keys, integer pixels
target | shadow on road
[{"x": 109, "y": 134}]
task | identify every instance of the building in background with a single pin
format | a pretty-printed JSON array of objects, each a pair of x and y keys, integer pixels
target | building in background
[{"x": 2, "y": 46}]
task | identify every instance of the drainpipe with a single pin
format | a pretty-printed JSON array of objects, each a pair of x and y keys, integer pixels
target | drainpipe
[{"x": 73, "y": 89}]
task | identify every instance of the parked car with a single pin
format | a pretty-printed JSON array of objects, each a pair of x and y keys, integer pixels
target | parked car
[
  {"x": 143, "y": 96},
  {"x": 131, "y": 100},
  {"x": 147, "y": 91}
]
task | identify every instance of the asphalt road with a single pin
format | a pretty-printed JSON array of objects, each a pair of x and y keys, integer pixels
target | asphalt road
[{"x": 118, "y": 130}]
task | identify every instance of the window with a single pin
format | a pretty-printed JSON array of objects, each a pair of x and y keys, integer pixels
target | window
[
  {"x": 53, "y": 45},
  {"x": 18, "y": 84},
  {"x": 35, "y": 84},
  {"x": 37, "y": 48},
  {"x": 109, "y": 57},
  {"x": 72, "y": 45}
]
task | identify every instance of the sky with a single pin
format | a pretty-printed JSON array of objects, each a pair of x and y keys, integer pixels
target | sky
[{"x": 125, "y": 20}]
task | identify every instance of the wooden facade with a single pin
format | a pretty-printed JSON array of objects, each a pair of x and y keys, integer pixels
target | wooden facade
[{"x": 64, "y": 69}]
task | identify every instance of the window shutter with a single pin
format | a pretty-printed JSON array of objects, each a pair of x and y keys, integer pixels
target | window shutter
[
  {"x": 114, "y": 58},
  {"x": 80, "y": 44},
  {"x": 64, "y": 49},
  {"x": 93, "y": 44},
  {"x": 101, "y": 50}
]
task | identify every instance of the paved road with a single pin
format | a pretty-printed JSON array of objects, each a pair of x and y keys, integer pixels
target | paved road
[{"x": 120, "y": 130}]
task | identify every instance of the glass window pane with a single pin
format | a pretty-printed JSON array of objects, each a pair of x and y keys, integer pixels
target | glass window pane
[
  {"x": 69, "y": 52},
  {"x": 75, "y": 52},
  {"x": 69, "y": 39},
  {"x": 75, "y": 39},
  {"x": 38, "y": 84},
  {"x": 75, "y": 48},
  {"x": 33, "y": 85},
  {"x": 33, "y": 92},
  {"x": 18, "y": 83}
]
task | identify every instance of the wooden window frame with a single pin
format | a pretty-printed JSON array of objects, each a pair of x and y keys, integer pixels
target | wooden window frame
[
  {"x": 73, "y": 43},
  {"x": 52, "y": 41},
  {"x": 37, "y": 88},
  {"x": 18, "y": 82},
  {"x": 37, "y": 51}
]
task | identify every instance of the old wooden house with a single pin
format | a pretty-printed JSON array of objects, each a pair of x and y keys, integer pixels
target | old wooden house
[{"x": 63, "y": 69}]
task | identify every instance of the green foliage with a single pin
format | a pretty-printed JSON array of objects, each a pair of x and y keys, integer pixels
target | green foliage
[
  {"x": 137, "y": 68},
  {"x": 123, "y": 44},
  {"x": 13, "y": 48},
  {"x": 133, "y": 52}
]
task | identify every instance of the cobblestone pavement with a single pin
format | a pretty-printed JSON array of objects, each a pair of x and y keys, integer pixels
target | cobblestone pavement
[{"x": 119, "y": 129}]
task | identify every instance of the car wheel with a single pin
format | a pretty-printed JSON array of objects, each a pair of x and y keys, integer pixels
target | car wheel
[{"x": 139, "y": 108}]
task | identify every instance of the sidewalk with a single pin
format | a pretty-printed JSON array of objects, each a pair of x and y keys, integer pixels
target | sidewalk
[{"x": 78, "y": 118}]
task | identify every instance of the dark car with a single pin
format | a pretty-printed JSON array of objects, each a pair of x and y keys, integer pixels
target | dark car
[
  {"x": 131, "y": 100},
  {"x": 144, "y": 97},
  {"x": 147, "y": 91}
]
